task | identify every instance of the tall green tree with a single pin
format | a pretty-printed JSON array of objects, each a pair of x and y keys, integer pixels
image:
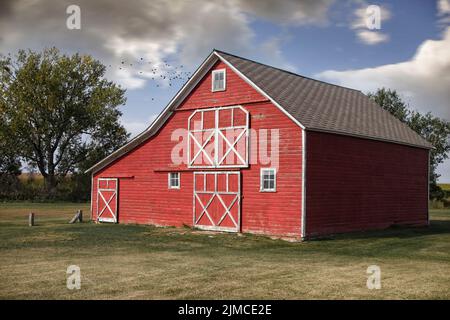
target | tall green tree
[
  {"x": 9, "y": 161},
  {"x": 58, "y": 111},
  {"x": 433, "y": 129}
]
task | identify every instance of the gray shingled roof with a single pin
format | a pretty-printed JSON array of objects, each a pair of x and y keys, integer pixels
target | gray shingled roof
[{"x": 326, "y": 107}]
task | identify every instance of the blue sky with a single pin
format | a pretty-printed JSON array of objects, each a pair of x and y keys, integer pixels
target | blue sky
[{"x": 323, "y": 39}]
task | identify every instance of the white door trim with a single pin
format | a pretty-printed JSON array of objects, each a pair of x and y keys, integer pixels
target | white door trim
[
  {"x": 216, "y": 226},
  {"x": 107, "y": 202}
]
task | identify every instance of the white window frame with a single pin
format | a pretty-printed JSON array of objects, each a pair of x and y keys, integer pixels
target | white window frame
[
  {"x": 169, "y": 180},
  {"x": 224, "y": 71},
  {"x": 261, "y": 180}
]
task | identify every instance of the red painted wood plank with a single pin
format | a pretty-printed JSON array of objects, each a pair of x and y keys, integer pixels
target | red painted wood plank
[{"x": 359, "y": 184}]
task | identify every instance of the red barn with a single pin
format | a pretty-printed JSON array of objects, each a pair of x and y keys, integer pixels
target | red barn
[{"x": 245, "y": 147}]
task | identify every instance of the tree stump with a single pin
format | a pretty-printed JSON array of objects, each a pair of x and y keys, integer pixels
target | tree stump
[
  {"x": 31, "y": 219},
  {"x": 78, "y": 216}
]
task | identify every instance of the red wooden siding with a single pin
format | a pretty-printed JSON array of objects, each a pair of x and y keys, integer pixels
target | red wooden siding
[
  {"x": 356, "y": 184},
  {"x": 237, "y": 92},
  {"x": 274, "y": 212},
  {"x": 144, "y": 196}
]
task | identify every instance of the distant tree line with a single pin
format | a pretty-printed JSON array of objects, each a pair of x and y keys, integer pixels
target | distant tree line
[{"x": 31, "y": 187}]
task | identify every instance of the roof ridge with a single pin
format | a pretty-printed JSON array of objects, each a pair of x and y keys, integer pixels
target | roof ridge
[{"x": 286, "y": 71}]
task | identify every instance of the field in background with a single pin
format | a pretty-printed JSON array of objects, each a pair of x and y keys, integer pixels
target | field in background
[
  {"x": 445, "y": 202},
  {"x": 145, "y": 262}
]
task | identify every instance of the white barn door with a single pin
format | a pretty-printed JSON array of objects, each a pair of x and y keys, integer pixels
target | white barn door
[
  {"x": 107, "y": 189},
  {"x": 218, "y": 138},
  {"x": 217, "y": 201}
]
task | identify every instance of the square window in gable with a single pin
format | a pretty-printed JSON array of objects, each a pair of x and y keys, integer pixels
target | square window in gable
[{"x": 218, "y": 80}]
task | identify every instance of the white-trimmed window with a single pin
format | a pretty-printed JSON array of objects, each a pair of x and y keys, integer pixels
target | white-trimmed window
[
  {"x": 268, "y": 180},
  {"x": 174, "y": 180},
  {"x": 218, "y": 80}
]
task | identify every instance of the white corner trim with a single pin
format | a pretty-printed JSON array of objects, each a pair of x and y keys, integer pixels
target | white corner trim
[
  {"x": 259, "y": 89},
  {"x": 303, "y": 222}
]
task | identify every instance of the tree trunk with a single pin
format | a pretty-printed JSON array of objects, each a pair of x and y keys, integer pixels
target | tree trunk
[{"x": 50, "y": 184}]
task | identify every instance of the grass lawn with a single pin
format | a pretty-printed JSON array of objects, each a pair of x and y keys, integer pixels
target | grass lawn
[{"x": 145, "y": 262}]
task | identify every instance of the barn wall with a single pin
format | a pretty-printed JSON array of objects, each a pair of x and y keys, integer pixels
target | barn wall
[
  {"x": 237, "y": 92},
  {"x": 275, "y": 212},
  {"x": 145, "y": 198},
  {"x": 356, "y": 184}
]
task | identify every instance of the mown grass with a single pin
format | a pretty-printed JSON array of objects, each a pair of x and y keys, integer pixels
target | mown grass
[{"x": 145, "y": 262}]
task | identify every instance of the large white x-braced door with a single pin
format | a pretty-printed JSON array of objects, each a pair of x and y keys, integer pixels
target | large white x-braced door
[
  {"x": 107, "y": 189},
  {"x": 217, "y": 201},
  {"x": 218, "y": 138}
]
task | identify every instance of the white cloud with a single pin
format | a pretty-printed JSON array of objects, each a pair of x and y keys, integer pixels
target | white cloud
[
  {"x": 443, "y": 12},
  {"x": 424, "y": 81},
  {"x": 444, "y": 170},
  {"x": 293, "y": 12},
  {"x": 136, "y": 127},
  {"x": 271, "y": 50},
  {"x": 443, "y": 7},
  {"x": 116, "y": 31},
  {"x": 361, "y": 14},
  {"x": 372, "y": 37},
  {"x": 360, "y": 24}
]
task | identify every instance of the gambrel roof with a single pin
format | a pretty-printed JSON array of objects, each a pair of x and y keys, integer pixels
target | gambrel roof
[{"x": 314, "y": 105}]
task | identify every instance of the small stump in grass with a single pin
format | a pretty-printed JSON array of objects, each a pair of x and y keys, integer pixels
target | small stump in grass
[
  {"x": 77, "y": 217},
  {"x": 31, "y": 219}
]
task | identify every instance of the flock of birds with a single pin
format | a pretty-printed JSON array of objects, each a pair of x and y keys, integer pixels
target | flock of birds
[{"x": 156, "y": 72}]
